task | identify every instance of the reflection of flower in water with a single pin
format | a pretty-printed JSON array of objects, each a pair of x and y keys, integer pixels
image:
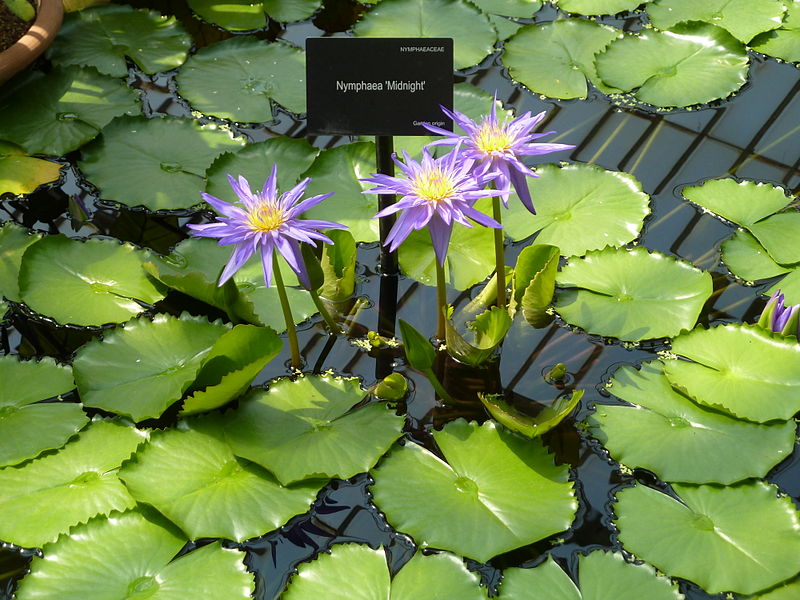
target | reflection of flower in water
[
  {"x": 497, "y": 148},
  {"x": 265, "y": 222},
  {"x": 436, "y": 193},
  {"x": 779, "y": 318}
]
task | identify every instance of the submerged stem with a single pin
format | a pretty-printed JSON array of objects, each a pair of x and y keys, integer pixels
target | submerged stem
[
  {"x": 441, "y": 300},
  {"x": 291, "y": 332},
  {"x": 499, "y": 255},
  {"x": 326, "y": 316},
  {"x": 438, "y": 387}
]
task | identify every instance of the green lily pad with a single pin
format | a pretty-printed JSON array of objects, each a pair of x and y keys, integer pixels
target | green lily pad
[
  {"x": 784, "y": 42},
  {"x": 692, "y": 63},
  {"x": 788, "y": 591},
  {"x": 533, "y": 283},
  {"x": 510, "y": 8},
  {"x": 193, "y": 478},
  {"x": 547, "y": 418},
  {"x": 30, "y": 427},
  {"x": 236, "y": 78},
  {"x": 59, "y": 112},
  {"x": 667, "y": 433},
  {"x": 488, "y": 331},
  {"x": 741, "y": 202},
  {"x": 602, "y": 575},
  {"x": 742, "y": 370},
  {"x": 789, "y": 286},
  {"x": 158, "y": 163},
  {"x": 332, "y": 575},
  {"x": 22, "y": 174},
  {"x": 556, "y": 58},
  {"x": 496, "y": 492},
  {"x": 580, "y": 207},
  {"x": 473, "y": 35},
  {"x": 505, "y": 27},
  {"x": 103, "y": 36},
  {"x": 98, "y": 281},
  {"x": 744, "y": 19},
  {"x": 141, "y": 369},
  {"x": 631, "y": 294},
  {"x": 339, "y": 170},
  {"x": 48, "y": 495},
  {"x": 470, "y": 256},
  {"x": 128, "y": 556},
  {"x": 246, "y": 15},
  {"x": 726, "y": 539},
  {"x": 597, "y": 7},
  {"x": 778, "y": 235},
  {"x": 747, "y": 259},
  {"x": 14, "y": 240},
  {"x": 306, "y": 428}
]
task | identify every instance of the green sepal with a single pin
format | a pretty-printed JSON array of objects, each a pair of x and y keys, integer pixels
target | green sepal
[{"x": 316, "y": 276}]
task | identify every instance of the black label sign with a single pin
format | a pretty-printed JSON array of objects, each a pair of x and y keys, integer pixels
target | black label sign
[{"x": 378, "y": 86}]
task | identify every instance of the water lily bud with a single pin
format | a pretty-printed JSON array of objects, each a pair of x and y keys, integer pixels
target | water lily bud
[
  {"x": 393, "y": 387},
  {"x": 557, "y": 372}
]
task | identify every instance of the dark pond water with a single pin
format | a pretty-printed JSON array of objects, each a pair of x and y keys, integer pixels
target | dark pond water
[{"x": 755, "y": 135}]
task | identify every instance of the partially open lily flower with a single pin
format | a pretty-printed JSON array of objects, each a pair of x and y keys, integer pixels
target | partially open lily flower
[
  {"x": 780, "y": 318},
  {"x": 436, "y": 193},
  {"x": 265, "y": 222},
  {"x": 497, "y": 148}
]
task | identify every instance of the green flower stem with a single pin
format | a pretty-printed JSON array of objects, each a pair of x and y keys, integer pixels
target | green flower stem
[
  {"x": 291, "y": 331},
  {"x": 437, "y": 386},
  {"x": 499, "y": 255},
  {"x": 332, "y": 326},
  {"x": 441, "y": 300}
]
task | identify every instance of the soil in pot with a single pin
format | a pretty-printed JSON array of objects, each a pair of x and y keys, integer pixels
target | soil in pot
[{"x": 11, "y": 27}]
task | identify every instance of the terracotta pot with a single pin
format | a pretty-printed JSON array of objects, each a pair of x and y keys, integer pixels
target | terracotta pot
[{"x": 41, "y": 34}]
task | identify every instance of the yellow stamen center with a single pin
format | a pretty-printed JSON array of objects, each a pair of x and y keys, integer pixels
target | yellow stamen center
[
  {"x": 492, "y": 138},
  {"x": 267, "y": 216},
  {"x": 432, "y": 185}
]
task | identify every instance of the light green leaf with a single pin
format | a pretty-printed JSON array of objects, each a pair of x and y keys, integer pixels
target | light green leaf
[
  {"x": 692, "y": 63},
  {"x": 789, "y": 286},
  {"x": 667, "y": 433},
  {"x": 47, "y": 496},
  {"x": 778, "y": 235},
  {"x": 192, "y": 477},
  {"x": 556, "y": 58},
  {"x": 245, "y": 15},
  {"x": 339, "y": 266},
  {"x": 59, "y": 112},
  {"x": 419, "y": 352},
  {"x": 631, "y": 294},
  {"x": 473, "y": 35},
  {"x": 158, "y": 163},
  {"x": 740, "y": 539},
  {"x": 510, "y": 8},
  {"x": 580, "y": 207},
  {"x": 103, "y": 36},
  {"x": 533, "y": 283},
  {"x": 747, "y": 259},
  {"x": 742, "y": 370},
  {"x": 236, "y": 78},
  {"x": 597, "y": 7},
  {"x": 784, "y": 42},
  {"x": 306, "y": 428},
  {"x": 544, "y": 582},
  {"x": 741, "y": 202},
  {"x": 488, "y": 331},
  {"x": 14, "y": 240},
  {"x": 98, "y": 281},
  {"x": 499, "y": 491},
  {"x": 21, "y": 174},
  {"x": 530, "y": 426}
]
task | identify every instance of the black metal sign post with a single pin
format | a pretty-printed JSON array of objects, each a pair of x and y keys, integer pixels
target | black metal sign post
[{"x": 382, "y": 87}]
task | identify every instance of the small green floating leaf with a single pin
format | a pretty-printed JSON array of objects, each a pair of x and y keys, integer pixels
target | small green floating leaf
[
  {"x": 192, "y": 477},
  {"x": 98, "y": 281},
  {"x": 330, "y": 574},
  {"x": 246, "y": 15},
  {"x": 473, "y": 35},
  {"x": 103, "y": 36},
  {"x": 496, "y": 492},
  {"x": 533, "y": 283},
  {"x": 14, "y": 240},
  {"x": 597, "y": 7},
  {"x": 678, "y": 440},
  {"x": 742, "y": 370},
  {"x": 21, "y": 174},
  {"x": 510, "y": 8},
  {"x": 784, "y": 42},
  {"x": 307, "y": 428},
  {"x": 530, "y": 426},
  {"x": 47, "y": 496},
  {"x": 692, "y": 63},
  {"x": 741, "y": 202},
  {"x": 580, "y": 207},
  {"x": 631, "y": 294},
  {"x": 236, "y": 78},
  {"x": 788, "y": 591},
  {"x": 59, "y": 112},
  {"x": 128, "y": 555},
  {"x": 726, "y": 539},
  {"x": 158, "y": 163},
  {"x": 744, "y": 19},
  {"x": 556, "y": 58},
  {"x": 747, "y": 259}
]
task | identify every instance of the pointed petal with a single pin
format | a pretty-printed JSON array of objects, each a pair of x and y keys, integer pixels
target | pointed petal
[
  {"x": 241, "y": 253},
  {"x": 440, "y": 236}
]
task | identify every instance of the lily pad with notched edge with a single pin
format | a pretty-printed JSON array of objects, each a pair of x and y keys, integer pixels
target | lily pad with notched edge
[
  {"x": 190, "y": 474},
  {"x": 667, "y": 433},
  {"x": 98, "y": 281},
  {"x": 510, "y": 8},
  {"x": 236, "y": 79},
  {"x": 14, "y": 240},
  {"x": 103, "y": 36},
  {"x": 740, "y": 539},
  {"x": 496, "y": 492},
  {"x": 631, "y": 294},
  {"x": 158, "y": 163},
  {"x": 128, "y": 555},
  {"x": 692, "y": 63},
  {"x": 748, "y": 260},
  {"x": 246, "y": 15},
  {"x": 784, "y": 42},
  {"x": 309, "y": 428},
  {"x": 48, "y": 495},
  {"x": 741, "y": 202},
  {"x": 22, "y": 174},
  {"x": 778, "y": 235},
  {"x": 597, "y": 7}
]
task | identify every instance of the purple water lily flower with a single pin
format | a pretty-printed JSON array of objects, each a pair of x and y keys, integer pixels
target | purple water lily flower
[
  {"x": 779, "y": 318},
  {"x": 265, "y": 222},
  {"x": 498, "y": 148},
  {"x": 436, "y": 193}
]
